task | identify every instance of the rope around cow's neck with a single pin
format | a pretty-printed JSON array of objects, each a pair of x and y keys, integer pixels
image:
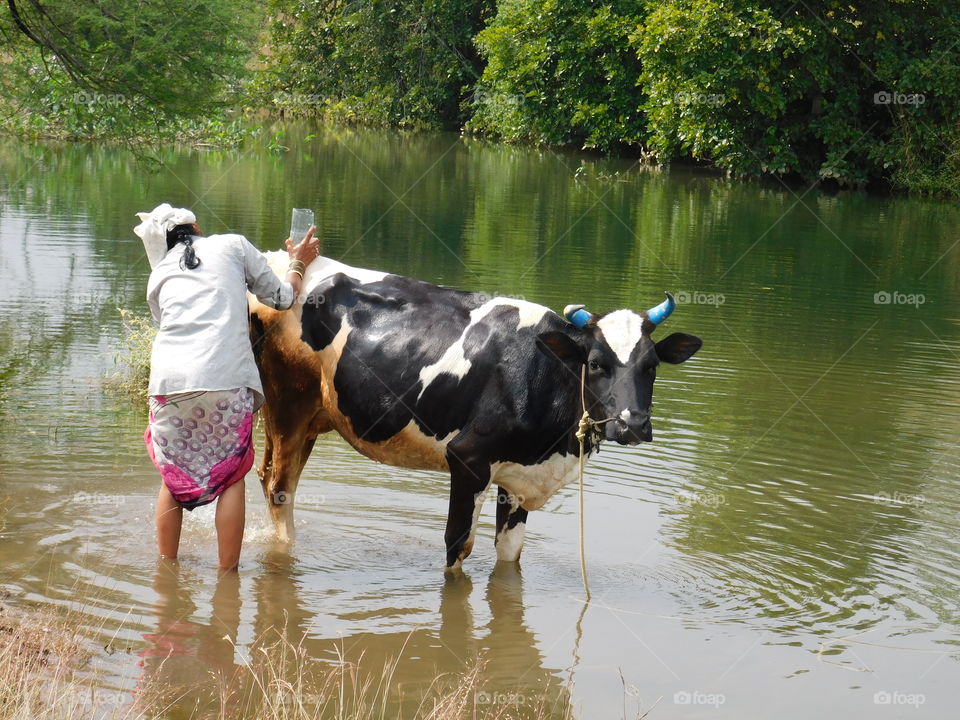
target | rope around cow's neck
[
  {"x": 586, "y": 425},
  {"x": 582, "y": 429}
]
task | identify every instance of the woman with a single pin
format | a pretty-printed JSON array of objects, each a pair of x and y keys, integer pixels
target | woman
[{"x": 204, "y": 384}]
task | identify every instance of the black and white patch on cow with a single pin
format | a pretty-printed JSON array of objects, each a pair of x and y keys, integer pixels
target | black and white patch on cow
[{"x": 487, "y": 389}]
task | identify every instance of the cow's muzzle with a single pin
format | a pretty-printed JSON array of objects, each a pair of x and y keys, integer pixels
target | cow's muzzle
[{"x": 630, "y": 428}]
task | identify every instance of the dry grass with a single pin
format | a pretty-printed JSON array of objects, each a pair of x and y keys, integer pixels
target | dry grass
[
  {"x": 133, "y": 357},
  {"x": 38, "y": 660},
  {"x": 42, "y": 677}
]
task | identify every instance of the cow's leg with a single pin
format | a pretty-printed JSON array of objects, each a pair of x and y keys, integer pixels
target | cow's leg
[
  {"x": 279, "y": 481},
  {"x": 289, "y": 460},
  {"x": 284, "y": 457},
  {"x": 468, "y": 485},
  {"x": 293, "y": 413},
  {"x": 511, "y": 526}
]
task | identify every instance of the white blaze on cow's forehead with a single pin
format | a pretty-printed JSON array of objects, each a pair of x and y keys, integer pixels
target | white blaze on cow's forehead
[
  {"x": 454, "y": 361},
  {"x": 622, "y": 330}
]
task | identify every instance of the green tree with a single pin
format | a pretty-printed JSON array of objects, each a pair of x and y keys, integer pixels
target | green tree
[
  {"x": 560, "y": 72},
  {"x": 392, "y": 62},
  {"x": 110, "y": 66},
  {"x": 826, "y": 91}
]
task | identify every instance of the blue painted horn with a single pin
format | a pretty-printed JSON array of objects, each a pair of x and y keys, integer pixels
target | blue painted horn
[
  {"x": 578, "y": 315},
  {"x": 661, "y": 312}
]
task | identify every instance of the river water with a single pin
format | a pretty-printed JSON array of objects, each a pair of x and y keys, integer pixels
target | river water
[{"x": 787, "y": 546}]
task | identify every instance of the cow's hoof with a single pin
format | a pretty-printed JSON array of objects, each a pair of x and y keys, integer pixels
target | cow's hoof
[{"x": 454, "y": 570}]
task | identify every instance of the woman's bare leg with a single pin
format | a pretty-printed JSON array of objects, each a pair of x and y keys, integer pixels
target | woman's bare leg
[
  {"x": 231, "y": 511},
  {"x": 169, "y": 520}
]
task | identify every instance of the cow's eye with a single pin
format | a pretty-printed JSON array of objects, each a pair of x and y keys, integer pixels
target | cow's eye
[{"x": 594, "y": 366}]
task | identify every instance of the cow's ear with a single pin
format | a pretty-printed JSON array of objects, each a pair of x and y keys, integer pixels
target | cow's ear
[
  {"x": 561, "y": 345},
  {"x": 678, "y": 348}
]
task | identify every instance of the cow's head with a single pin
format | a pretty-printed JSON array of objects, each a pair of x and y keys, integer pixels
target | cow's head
[{"x": 621, "y": 362}]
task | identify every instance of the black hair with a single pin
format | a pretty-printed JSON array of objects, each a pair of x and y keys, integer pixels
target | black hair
[{"x": 184, "y": 234}]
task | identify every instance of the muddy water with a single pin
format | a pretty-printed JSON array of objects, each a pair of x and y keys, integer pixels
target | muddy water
[{"x": 788, "y": 545}]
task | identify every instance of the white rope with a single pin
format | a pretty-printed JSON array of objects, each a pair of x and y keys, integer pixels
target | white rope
[{"x": 582, "y": 429}]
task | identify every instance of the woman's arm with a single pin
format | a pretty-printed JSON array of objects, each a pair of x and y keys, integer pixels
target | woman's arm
[
  {"x": 301, "y": 255},
  {"x": 261, "y": 280}
]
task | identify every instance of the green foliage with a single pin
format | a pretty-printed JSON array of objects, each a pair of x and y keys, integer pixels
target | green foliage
[
  {"x": 793, "y": 89},
  {"x": 560, "y": 72},
  {"x": 819, "y": 91},
  {"x": 389, "y": 62},
  {"x": 108, "y": 68}
]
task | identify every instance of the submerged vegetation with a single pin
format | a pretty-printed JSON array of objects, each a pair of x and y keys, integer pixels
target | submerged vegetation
[{"x": 850, "y": 95}]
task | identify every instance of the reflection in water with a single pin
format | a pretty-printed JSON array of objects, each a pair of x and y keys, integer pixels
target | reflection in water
[
  {"x": 188, "y": 660},
  {"x": 192, "y": 658},
  {"x": 430, "y": 658}
]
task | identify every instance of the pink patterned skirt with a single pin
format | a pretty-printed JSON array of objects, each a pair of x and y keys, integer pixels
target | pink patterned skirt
[{"x": 201, "y": 442}]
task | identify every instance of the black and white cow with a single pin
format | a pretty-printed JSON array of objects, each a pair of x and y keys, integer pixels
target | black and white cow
[{"x": 421, "y": 376}]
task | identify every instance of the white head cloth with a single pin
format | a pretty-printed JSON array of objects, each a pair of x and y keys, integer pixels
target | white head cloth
[{"x": 155, "y": 226}]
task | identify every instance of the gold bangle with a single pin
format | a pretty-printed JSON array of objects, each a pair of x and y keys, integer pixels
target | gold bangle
[
  {"x": 297, "y": 265},
  {"x": 295, "y": 272}
]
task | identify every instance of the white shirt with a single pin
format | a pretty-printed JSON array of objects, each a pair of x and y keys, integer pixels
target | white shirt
[{"x": 203, "y": 342}]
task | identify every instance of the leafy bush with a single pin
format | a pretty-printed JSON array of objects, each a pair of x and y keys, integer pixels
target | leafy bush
[
  {"x": 826, "y": 92},
  {"x": 388, "y": 62},
  {"x": 560, "y": 72},
  {"x": 819, "y": 91}
]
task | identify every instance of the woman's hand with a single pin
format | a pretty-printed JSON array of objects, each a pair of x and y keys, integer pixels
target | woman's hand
[{"x": 307, "y": 249}]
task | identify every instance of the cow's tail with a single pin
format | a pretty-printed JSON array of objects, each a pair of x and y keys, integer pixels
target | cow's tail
[{"x": 258, "y": 333}]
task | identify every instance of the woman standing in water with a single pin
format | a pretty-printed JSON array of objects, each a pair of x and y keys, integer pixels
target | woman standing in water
[{"x": 204, "y": 384}]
